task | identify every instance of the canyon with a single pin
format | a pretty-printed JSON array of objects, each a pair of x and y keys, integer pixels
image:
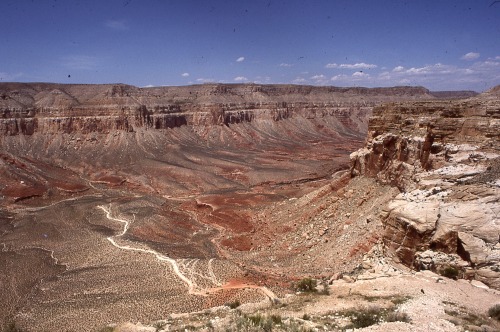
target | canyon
[{"x": 120, "y": 203}]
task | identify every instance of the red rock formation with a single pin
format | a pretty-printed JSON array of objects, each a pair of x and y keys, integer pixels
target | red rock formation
[{"x": 444, "y": 158}]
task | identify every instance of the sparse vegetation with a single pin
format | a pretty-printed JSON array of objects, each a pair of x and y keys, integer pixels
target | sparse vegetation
[
  {"x": 324, "y": 288},
  {"x": 11, "y": 327},
  {"x": 159, "y": 325},
  {"x": 261, "y": 322},
  {"x": 398, "y": 300},
  {"x": 233, "y": 305},
  {"x": 276, "y": 319},
  {"x": 494, "y": 312},
  {"x": 372, "y": 315},
  {"x": 364, "y": 318},
  {"x": 461, "y": 317},
  {"x": 307, "y": 285},
  {"x": 107, "y": 329},
  {"x": 449, "y": 272},
  {"x": 397, "y": 317},
  {"x": 306, "y": 317}
]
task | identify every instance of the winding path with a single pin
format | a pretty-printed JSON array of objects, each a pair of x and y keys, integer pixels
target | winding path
[{"x": 192, "y": 286}]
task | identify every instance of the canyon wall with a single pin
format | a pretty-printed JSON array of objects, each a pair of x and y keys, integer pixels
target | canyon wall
[
  {"x": 54, "y": 108},
  {"x": 444, "y": 156},
  {"x": 172, "y": 140}
]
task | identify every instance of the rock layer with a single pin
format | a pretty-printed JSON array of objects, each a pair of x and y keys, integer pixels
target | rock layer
[
  {"x": 55, "y": 108},
  {"x": 445, "y": 159}
]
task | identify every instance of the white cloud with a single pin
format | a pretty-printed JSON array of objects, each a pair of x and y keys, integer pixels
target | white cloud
[
  {"x": 149, "y": 86},
  {"x": 80, "y": 62},
  {"x": 116, "y": 25},
  {"x": 185, "y": 74},
  {"x": 474, "y": 75},
  {"x": 285, "y": 65},
  {"x": 299, "y": 80},
  {"x": 205, "y": 80},
  {"x": 360, "y": 74},
  {"x": 338, "y": 77},
  {"x": 478, "y": 76},
  {"x": 318, "y": 77},
  {"x": 240, "y": 79},
  {"x": 240, "y": 59},
  {"x": 360, "y": 65},
  {"x": 470, "y": 56}
]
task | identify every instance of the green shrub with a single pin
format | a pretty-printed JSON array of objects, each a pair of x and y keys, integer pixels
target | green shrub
[
  {"x": 256, "y": 320},
  {"x": 159, "y": 325},
  {"x": 449, "y": 272},
  {"x": 494, "y": 312},
  {"x": 276, "y": 319},
  {"x": 107, "y": 329},
  {"x": 306, "y": 285},
  {"x": 365, "y": 317},
  {"x": 11, "y": 327},
  {"x": 398, "y": 317},
  {"x": 233, "y": 305},
  {"x": 324, "y": 288}
]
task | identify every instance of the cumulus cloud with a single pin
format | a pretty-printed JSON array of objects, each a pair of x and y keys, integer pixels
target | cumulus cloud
[
  {"x": 338, "y": 77},
  {"x": 185, "y": 74},
  {"x": 283, "y": 64},
  {"x": 116, "y": 25},
  {"x": 360, "y": 74},
  {"x": 205, "y": 80},
  {"x": 299, "y": 80},
  {"x": 478, "y": 75},
  {"x": 470, "y": 56},
  {"x": 240, "y": 79},
  {"x": 360, "y": 65},
  {"x": 318, "y": 77},
  {"x": 240, "y": 59}
]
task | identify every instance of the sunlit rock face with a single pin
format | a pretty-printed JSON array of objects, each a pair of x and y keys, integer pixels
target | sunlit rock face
[
  {"x": 444, "y": 156},
  {"x": 113, "y": 131},
  {"x": 134, "y": 201}
]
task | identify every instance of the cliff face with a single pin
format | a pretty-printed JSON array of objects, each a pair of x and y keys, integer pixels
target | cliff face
[
  {"x": 54, "y": 108},
  {"x": 48, "y": 131},
  {"x": 445, "y": 159}
]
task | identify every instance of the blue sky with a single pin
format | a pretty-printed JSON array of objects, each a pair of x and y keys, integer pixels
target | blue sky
[{"x": 442, "y": 45}]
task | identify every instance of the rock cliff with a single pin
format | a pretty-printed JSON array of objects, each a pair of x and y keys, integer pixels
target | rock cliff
[
  {"x": 444, "y": 156},
  {"x": 55, "y": 108}
]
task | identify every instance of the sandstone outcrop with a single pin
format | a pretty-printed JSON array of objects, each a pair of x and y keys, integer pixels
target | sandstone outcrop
[
  {"x": 445, "y": 159},
  {"x": 54, "y": 108},
  {"x": 233, "y": 183}
]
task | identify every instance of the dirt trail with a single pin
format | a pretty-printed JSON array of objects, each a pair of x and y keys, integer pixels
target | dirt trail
[{"x": 189, "y": 267}]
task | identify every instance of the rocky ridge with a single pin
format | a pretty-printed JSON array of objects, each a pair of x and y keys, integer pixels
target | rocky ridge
[
  {"x": 54, "y": 108},
  {"x": 445, "y": 159},
  {"x": 233, "y": 182}
]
